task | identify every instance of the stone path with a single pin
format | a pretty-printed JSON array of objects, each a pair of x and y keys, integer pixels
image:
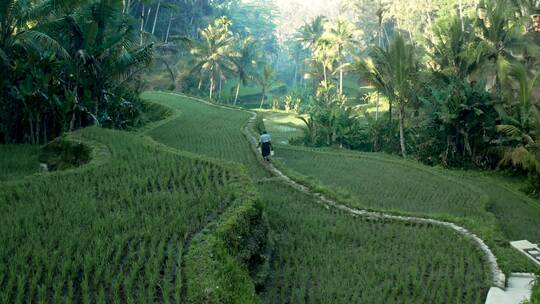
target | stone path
[{"x": 519, "y": 285}]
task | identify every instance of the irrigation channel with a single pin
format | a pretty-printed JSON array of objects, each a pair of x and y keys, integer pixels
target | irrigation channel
[{"x": 497, "y": 276}]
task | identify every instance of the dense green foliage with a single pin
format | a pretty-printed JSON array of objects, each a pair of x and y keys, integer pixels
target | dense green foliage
[
  {"x": 67, "y": 65},
  {"x": 464, "y": 92},
  {"x": 322, "y": 255}
]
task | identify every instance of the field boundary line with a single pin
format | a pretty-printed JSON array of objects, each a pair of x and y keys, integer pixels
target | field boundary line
[{"x": 498, "y": 278}]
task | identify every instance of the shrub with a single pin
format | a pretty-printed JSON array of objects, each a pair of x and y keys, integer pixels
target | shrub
[{"x": 62, "y": 154}]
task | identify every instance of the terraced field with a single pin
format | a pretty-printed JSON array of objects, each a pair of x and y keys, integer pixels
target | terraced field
[
  {"x": 112, "y": 231},
  {"x": 321, "y": 254},
  {"x": 206, "y": 130},
  {"x": 384, "y": 185}
]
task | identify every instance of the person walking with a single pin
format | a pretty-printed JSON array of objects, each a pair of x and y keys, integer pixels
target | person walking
[{"x": 265, "y": 143}]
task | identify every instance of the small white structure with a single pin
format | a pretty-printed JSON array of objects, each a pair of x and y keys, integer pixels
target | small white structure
[
  {"x": 529, "y": 249},
  {"x": 519, "y": 289}
]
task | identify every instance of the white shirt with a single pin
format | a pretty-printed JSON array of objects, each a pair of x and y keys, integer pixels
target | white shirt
[{"x": 265, "y": 138}]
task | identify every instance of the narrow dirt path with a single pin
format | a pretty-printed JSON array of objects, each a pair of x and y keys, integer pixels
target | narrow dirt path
[{"x": 497, "y": 276}]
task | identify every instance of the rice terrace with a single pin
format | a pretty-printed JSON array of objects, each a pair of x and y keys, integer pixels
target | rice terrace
[{"x": 270, "y": 151}]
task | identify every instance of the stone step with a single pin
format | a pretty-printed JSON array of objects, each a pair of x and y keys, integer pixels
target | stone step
[{"x": 518, "y": 290}]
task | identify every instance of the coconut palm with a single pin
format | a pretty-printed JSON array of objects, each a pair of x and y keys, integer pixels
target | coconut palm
[
  {"x": 325, "y": 53},
  {"x": 105, "y": 55},
  {"x": 243, "y": 60},
  {"x": 311, "y": 32},
  {"x": 342, "y": 36},
  {"x": 520, "y": 142},
  {"x": 499, "y": 38},
  {"x": 453, "y": 49},
  {"x": 212, "y": 55},
  {"x": 521, "y": 124},
  {"x": 393, "y": 71},
  {"x": 266, "y": 80}
]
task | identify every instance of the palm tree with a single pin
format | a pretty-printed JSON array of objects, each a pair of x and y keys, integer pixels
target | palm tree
[
  {"x": 453, "y": 48},
  {"x": 212, "y": 55},
  {"x": 499, "y": 37},
  {"x": 341, "y": 36},
  {"x": 325, "y": 53},
  {"x": 393, "y": 71},
  {"x": 105, "y": 55},
  {"x": 17, "y": 33},
  {"x": 521, "y": 129},
  {"x": 243, "y": 61},
  {"x": 266, "y": 80},
  {"x": 521, "y": 124},
  {"x": 311, "y": 32},
  {"x": 22, "y": 39}
]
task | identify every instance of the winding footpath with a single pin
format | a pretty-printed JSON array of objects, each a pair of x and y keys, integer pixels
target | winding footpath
[{"x": 498, "y": 278}]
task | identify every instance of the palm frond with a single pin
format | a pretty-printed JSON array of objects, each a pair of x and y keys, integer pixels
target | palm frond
[
  {"x": 39, "y": 41},
  {"x": 509, "y": 131}
]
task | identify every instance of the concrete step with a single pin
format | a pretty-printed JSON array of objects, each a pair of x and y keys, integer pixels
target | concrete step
[{"x": 518, "y": 290}]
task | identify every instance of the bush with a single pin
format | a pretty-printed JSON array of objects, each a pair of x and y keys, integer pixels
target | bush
[{"x": 62, "y": 154}]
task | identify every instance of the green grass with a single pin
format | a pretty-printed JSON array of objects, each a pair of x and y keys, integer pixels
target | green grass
[
  {"x": 206, "y": 130},
  {"x": 112, "y": 231},
  {"x": 325, "y": 256},
  {"x": 17, "y": 161},
  {"x": 489, "y": 205},
  {"x": 316, "y": 248},
  {"x": 388, "y": 183},
  {"x": 384, "y": 185}
]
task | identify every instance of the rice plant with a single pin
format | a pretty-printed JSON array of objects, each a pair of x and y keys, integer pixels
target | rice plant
[
  {"x": 17, "y": 161},
  {"x": 324, "y": 256},
  {"x": 110, "y": 231}
]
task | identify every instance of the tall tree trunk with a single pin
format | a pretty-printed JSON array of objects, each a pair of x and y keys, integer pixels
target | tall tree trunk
[
  {"x": 262, "y": 99},
  {"x": 142, "y": 25},
  {"x": 38, "y": 127},
  {"x": 31, "y": 125},
  {"x": 461, "y": 15},
  {"x": 220, "y": 85},
  {"x": 73, "y": 115},
  {"x": 147, "y": 17},
  {"x": 168, "y": 28},
  {"x": 295, "y": 73},
  {"x": 340, "y": 80},
  {"x": 324, "y": 72},
  {"x": 379, "y": 36},
  {"x": 45, "y": 139},
  {"x": 200, "y": 83},
  {"x": 390, "y": 106},
  {"x": 402, "y": 129},
  {"x": 155, "y": 17},
  {"x": 237, "y": 92},
  {"x": 211, "y": 85}
]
